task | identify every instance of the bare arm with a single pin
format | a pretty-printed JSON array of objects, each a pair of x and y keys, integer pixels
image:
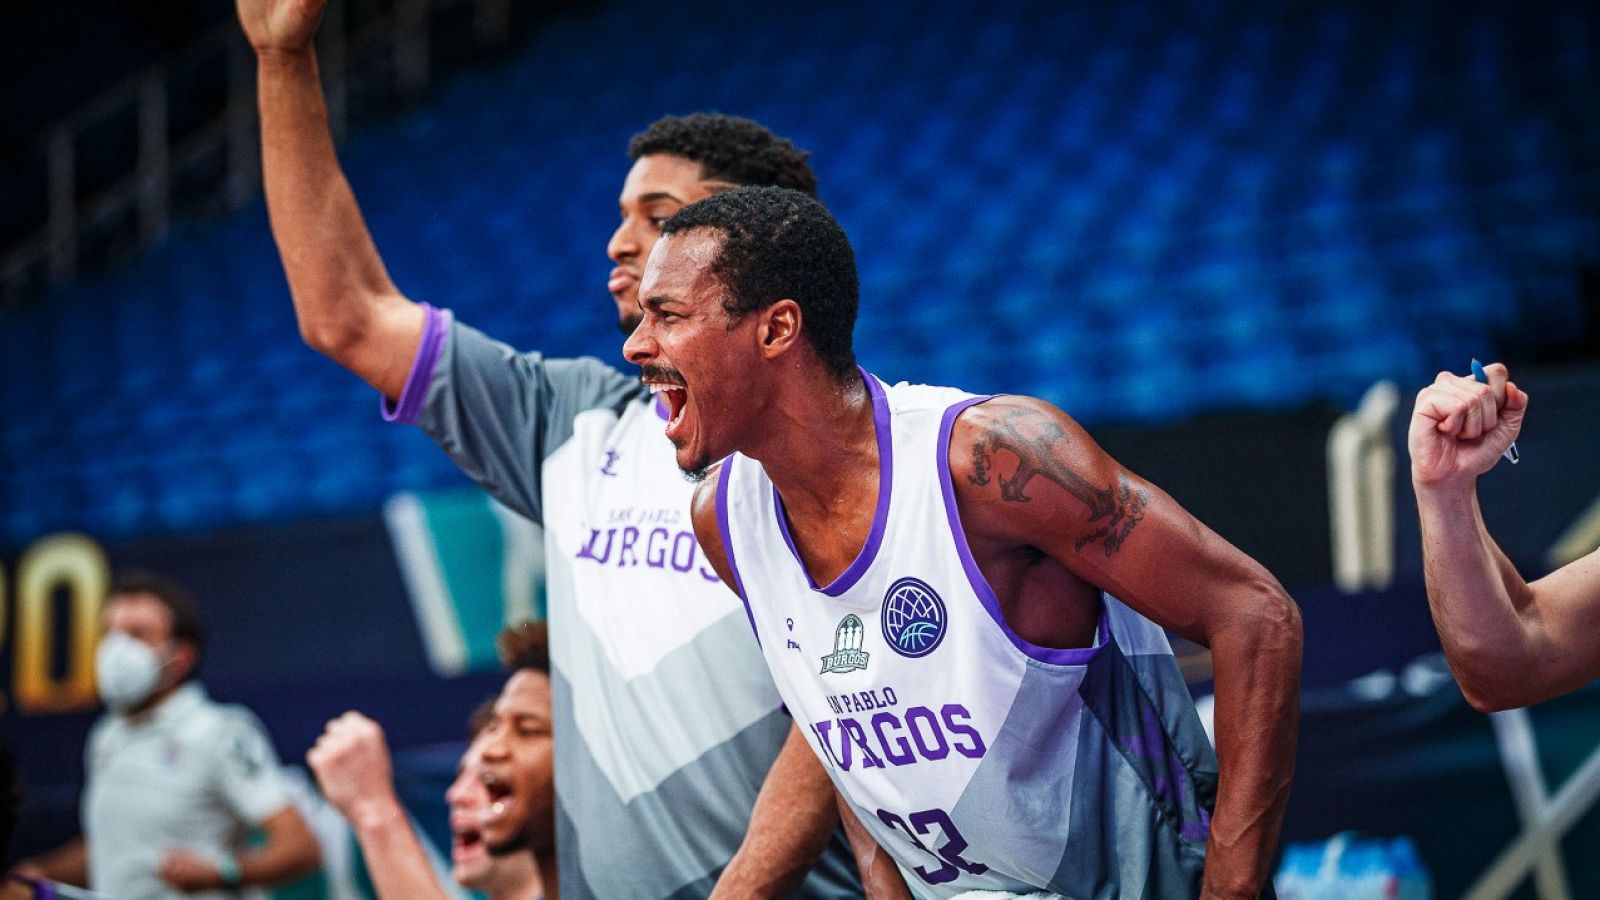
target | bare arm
[
  {"x": 1509, "y": 643},
  {"x": 290, "y": 852},
  {"x": 68, "y": 864},
  {"x": 351, "y": 762},
  {"x": 796, "y": 812},
  {"x": 793, "y": 819},
  {"x": 347, "y": 305},
  {"x": 1027, "y": 476},
  {"x": 880, "y": 877}
]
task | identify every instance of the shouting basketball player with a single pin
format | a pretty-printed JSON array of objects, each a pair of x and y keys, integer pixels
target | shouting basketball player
[{"x": 961, "y": 598}]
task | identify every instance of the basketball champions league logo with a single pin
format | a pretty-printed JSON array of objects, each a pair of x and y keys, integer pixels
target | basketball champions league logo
[
  {"x": 913, "y": 618},
  {"x": 847, "y": 655}
]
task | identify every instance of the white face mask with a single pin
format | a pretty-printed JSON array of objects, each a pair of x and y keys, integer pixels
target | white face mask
[{"x": 126, "y": 671}]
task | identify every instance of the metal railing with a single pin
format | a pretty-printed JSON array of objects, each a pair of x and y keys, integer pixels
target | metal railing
[{"x": 52, "y": 253}]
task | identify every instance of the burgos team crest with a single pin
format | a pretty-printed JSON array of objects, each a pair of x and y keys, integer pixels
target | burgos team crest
[
  {"x": 913, "y": 618},
  {"x": 847, "y": 655}
]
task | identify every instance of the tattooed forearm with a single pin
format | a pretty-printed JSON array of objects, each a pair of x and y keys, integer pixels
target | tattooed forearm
[{"x": 1117, "y": 508}]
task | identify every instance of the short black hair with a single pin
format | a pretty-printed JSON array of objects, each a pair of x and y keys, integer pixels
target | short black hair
[
  {"x": 779, "y": 243},
  {"x": 525, "y": 645},
  {"x": 728, "y": 148},
  {"x": 186, "y": 622},
  {"x": 481, "y": 717}
]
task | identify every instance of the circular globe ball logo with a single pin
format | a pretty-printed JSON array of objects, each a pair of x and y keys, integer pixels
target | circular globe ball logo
[{"x": 913, "y": 618}]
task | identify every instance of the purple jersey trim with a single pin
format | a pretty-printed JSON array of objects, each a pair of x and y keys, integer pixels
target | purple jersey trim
[
  {"x": 863, "y": 561},
  {"x": 434, "y": 329},
  {"x": 1055, "y": 656},
  {"x": 724, "y": 476}
]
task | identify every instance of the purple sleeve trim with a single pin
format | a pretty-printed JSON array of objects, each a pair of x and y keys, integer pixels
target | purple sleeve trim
[
  {"x": 435, "y": 327},
  {"x": 723, "y": 477},
  {"x": 1055, "y": 656}
]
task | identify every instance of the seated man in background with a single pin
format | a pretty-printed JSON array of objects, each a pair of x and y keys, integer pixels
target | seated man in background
[
  {"x": 502, "y": 803},
  {"x": 1509, "y": 643},
  {"x": 173, "y": 779}
]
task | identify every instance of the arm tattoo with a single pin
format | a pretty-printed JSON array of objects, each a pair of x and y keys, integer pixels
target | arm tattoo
[{"x": 1117, "y": 508}]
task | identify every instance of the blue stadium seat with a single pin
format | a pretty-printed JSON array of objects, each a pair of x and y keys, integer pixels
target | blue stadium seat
[{"x": 1137, "y": 217}]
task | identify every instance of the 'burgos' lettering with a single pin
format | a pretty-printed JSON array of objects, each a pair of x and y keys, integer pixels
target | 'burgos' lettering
[
  {"x": 886, "y": 739},
  {"x": 657, "y": 548}
]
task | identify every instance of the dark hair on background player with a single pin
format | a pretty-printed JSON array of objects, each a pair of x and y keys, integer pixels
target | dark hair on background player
[
  {"x": 778, "y": 244},
  {"x": 481, "y": 717},
  {"x": 186, "y": 622},
  {"x": 525, "y": 645},
  {"x": 728, "y": 148}
]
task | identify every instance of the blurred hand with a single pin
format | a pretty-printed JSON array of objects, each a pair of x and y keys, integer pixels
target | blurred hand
[
  {"x": 351, "y": 762},
  {"x": 188, "y": 871},
  {"x": 1459, "y": 427},
  {"x": 11, "y": 889},
  {"x": 280, "y": 24}
]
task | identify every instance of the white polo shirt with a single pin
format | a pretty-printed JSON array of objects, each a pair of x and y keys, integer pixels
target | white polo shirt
[{"x": 193, "y": 774}]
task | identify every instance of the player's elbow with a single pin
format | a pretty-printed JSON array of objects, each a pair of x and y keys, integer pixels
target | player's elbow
[
  {"x": 1489, "y": 693},
  {"x": 332, "y": 337},
  {"x": 1276, "y": 635},
  {"x": 1277, "y": 615}
]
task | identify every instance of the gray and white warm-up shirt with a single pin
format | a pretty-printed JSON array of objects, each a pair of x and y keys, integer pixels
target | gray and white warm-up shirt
[
  {"x": 194, "y": 774},
  {"x": 666, "y": 720}
]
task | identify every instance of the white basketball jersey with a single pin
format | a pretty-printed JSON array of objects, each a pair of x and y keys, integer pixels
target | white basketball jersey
[{"x": 979, "y": 761}]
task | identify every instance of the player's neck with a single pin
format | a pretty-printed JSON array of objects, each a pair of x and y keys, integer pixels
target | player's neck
[
  {"x": 817, "y": 440},
  {"x": 549, "y": 878},
  {"x": 517, "y": 878}
]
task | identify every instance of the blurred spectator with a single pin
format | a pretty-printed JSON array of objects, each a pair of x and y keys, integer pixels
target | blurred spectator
[
  {"x": 174, "y": 780},
  {"x": 502, "y": 802}
]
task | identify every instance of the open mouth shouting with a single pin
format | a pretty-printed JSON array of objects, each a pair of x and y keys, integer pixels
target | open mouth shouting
[
  {"x": 466, "y": 839},
  {"x": 497, "y": 823},
  {"x": 669, "y": 388}
]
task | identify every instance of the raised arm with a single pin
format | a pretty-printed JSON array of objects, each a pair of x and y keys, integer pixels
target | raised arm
[
  {"x": 1029, "y": 480},
  {"x": 351, "y": 762},
  {"x": 1509, "y": 643},
  {"x": 347, "y": 306}
]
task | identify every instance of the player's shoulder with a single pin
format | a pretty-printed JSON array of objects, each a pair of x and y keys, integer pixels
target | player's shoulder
[
  {"x": 1010, "y": 415},
  {"x": 905, "y": 397},
  {"x": 212, "y": 719}
]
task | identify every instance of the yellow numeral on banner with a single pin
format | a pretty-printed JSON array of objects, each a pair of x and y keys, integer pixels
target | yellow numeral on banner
[{"x": 74, "y": 564}]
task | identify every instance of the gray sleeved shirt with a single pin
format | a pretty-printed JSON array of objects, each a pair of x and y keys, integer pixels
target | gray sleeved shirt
[
  {"x": 499, "y": 412},
  {"x": 665, "y": 717}
]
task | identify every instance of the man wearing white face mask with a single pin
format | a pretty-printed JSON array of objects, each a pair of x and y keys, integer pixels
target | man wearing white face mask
[{"x": 174, "y": 780}]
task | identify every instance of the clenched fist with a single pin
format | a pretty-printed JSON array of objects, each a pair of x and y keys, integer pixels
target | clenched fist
[
  {"x": 277, "y": 25},
  {"x": 1460, "y": 427},
  {"x": 351, "y": 762}
]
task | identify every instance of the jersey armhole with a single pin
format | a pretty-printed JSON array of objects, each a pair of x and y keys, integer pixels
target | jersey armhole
[
  {"x": 1055, "y": 656},
  {"x": 725, "y": 475}
]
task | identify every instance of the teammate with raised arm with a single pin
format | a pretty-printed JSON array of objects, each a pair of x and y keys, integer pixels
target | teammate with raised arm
[
  {"x": 961, "y": 598},
  {"x": 1510, "y": 643},
  {"x": 666, "y": 721}
]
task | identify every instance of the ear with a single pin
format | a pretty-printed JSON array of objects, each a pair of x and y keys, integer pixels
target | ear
[
  {"x": 779, "y": 331},
  {"x": 185, "y": 656}
]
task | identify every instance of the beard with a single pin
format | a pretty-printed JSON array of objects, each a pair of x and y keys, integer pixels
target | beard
[{"x": 629, "y": 321}]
